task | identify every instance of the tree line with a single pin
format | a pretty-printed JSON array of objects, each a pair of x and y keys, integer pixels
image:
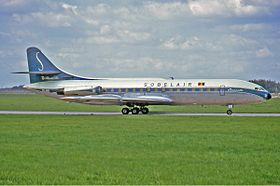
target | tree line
[{"x": 271, "y": 86}]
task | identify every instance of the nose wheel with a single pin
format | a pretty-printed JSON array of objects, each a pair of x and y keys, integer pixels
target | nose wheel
[
  {"x": 229, "y": 111},
  {"x": 135, "y": 110}
]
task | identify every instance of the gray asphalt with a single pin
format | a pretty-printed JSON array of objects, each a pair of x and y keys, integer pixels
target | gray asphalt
[{"x": 119, "y": 113}]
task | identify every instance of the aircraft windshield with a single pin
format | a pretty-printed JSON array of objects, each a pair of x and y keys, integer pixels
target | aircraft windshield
[{"x": 259, "y": 88}]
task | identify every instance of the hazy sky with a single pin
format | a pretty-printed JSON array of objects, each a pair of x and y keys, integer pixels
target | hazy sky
[{"x": 185, "y": 39}]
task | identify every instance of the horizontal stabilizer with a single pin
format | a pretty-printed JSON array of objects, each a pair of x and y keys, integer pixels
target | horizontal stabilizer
[{"x": 39, "y": 73}]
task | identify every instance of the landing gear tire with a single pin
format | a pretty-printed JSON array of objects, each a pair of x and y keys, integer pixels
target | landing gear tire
[
  {"x": 145, "y": 110},
  {"x": 125, "y": 111},
  {"x": 229, "y": 112},
  {"x": 135, "y": 110}
]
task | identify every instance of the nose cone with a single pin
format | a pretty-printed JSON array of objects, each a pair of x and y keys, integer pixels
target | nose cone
[{"x": 268, "y": 96}]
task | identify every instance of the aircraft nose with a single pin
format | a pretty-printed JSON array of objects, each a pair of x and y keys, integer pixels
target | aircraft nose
[{"x": 268, "y": 96}]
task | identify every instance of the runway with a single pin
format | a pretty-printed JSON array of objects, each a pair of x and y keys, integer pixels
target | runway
[{"x": 152, "y": 113}]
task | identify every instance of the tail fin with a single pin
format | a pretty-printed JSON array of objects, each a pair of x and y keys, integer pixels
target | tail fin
[{"x": 42, "y": 69}]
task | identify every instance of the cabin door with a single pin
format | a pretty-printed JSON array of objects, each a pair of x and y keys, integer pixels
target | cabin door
[{"x": 222, "y": 91}]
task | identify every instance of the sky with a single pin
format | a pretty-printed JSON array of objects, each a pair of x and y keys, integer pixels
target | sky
[{"x": 130, "y": 38}]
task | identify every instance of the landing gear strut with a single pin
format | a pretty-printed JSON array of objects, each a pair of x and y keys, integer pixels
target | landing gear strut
[
  {"x": 135, "y": 110},
  {"x": 229, "y": 111}
]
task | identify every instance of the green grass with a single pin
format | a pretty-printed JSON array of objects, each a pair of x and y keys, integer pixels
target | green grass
[
  {"x": 41, "y": 149},
  {"x": 42, "y": 103},
  {"x": 139, "y": 150}
]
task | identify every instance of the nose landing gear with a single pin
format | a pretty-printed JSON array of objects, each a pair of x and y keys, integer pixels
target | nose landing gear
[
  {"x": 229, "y": 111},
  {"x": 135, "y": 110}
]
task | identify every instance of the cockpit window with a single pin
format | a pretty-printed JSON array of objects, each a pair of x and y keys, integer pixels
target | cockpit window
[{"x": 259, "y": 88}]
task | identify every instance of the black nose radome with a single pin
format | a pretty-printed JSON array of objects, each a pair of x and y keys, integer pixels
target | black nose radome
[{"x": 268, "y": 96}]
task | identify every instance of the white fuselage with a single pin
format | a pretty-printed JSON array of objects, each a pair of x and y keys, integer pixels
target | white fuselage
[{"x": 180, "y": 91}]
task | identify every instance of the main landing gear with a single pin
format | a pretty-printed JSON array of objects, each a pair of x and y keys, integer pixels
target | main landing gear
[
  {"x": 229, "y": 111},
  {"x": 135, "y": 110}
]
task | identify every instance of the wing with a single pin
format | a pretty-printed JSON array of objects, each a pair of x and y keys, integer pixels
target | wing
[
  {"x": 95, "y": 99},
  {"x": 107, "y": 99}
]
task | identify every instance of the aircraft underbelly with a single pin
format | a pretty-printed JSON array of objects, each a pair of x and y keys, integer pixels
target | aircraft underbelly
[
  {"x": 191, "y": 98},
  {"x": 214, "y": 98}
]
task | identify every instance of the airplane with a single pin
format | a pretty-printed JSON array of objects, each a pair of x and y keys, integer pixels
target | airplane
[{"x": 136, "y": 94}]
